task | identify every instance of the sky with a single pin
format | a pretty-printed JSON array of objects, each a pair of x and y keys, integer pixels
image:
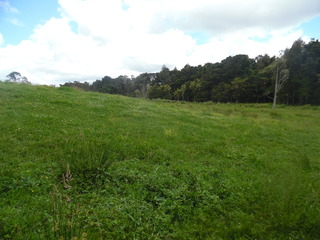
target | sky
[{"x": 55, "y": 41}]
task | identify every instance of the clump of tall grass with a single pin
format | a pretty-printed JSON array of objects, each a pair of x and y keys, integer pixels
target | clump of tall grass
[{"x": 90, "y": 160}]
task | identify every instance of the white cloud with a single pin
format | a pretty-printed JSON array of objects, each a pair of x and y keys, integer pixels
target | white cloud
[
  {"x": 133, "y": 36},
  {"x": 222, "y": 16},
  {"x": 15, "y": 21},
  {"x": 7, "y": 7},
  {"x": 1, "y": 39}
]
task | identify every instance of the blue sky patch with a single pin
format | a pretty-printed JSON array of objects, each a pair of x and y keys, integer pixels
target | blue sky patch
[
  {"x": 312, "y": 28},
  {"x": 16, "y": 26},
  {"x": 200, "y": 37}
]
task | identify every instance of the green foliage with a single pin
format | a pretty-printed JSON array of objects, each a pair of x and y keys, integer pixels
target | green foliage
[
  {"x": 83, "y": 165},
  {"x": 161, "y": 91}
]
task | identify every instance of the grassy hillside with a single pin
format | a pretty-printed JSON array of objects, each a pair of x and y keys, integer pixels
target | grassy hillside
[{"x": 80, "y": 165}]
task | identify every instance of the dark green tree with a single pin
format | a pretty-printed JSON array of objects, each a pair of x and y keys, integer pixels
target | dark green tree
[
  {"x": 17, "y": 78},
  {"x": 161, "y": 91}
]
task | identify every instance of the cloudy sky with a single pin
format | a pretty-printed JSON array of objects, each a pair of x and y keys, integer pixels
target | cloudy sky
[{"x": 55, "y": 41}]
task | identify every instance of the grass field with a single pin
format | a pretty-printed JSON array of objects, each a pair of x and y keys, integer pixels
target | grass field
[{"x": 80, "y": 165}]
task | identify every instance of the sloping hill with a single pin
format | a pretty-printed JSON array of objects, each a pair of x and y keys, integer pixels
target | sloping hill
[{"x": 81, "y": 165}]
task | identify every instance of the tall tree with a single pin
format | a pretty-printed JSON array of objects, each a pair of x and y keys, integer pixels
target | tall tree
[
  {"x": 295, "y": 58},
  {"x": 17, "y": 78},
  {"x": 282, "y": 75},
  {"x": 238, "y": 87},
  {"x": 163, "y": 77}
]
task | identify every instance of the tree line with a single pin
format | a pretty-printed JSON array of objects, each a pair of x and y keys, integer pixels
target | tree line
[{"x": 292, "y": 78}]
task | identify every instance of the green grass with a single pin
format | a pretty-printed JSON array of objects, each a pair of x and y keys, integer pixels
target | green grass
[{"x": 80, "y": 165}]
